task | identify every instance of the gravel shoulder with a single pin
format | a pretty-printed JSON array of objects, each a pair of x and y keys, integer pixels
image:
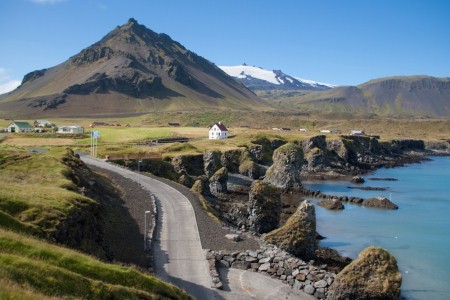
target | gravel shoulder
[
  {"x": 212, "y": 233},
  {"x": 123, "y": 205},
  {"x": 124, "y": 220}
]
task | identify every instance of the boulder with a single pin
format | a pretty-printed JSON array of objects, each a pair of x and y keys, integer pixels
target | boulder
[
  {"x": 264, "y": 207},
  {"x": 218, "y": 182},
  {"x": 332, "y": 204},
  {"x": 287, "y": 165},
  {"x": 357, "y": 179},
  {"x": 373, "y": 275},
  {"x": 379, "y": 202},
  {"x": 233, "y": 237},
  {"x": 298, "y": 235}
]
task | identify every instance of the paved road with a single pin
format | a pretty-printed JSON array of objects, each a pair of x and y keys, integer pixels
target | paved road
[
  {"x": 178, "y": 253},
  {"x": 179, "y": 257}
]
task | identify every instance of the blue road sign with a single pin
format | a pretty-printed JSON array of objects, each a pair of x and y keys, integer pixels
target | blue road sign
[{"x": 95, "y": 134}]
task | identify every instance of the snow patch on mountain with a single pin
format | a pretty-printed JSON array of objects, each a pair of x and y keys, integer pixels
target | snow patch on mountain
[{"x": 257, "y": 78}]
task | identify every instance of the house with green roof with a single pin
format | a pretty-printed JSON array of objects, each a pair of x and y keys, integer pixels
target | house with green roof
[{"x": 19, "y": 126}]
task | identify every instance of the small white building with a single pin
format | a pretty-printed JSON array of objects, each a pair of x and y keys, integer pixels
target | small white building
[
  {"x": 43, "y": 123},
  {"x": 71, "y": 129},
  {"x": 356, "y": 132},
  {"x": 19, "y": 127},
  {"x": 218, "y": 132}
]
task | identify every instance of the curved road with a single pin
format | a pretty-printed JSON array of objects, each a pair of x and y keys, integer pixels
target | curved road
[{"x": 178, "y": 254}]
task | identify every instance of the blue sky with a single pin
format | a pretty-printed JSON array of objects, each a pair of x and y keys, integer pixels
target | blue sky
[{"x": 344, "y": 42}]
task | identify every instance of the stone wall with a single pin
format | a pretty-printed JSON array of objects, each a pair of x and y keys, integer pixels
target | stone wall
[{"x": 278, "y": 264}]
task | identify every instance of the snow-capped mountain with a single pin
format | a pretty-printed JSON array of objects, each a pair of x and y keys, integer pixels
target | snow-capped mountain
[{"x": 257, "y": 79}]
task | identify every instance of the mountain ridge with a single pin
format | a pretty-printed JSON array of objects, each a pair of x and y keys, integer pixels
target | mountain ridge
[
  {"x": 259, "y": 79},
  {"x": 418, "y": 95}
]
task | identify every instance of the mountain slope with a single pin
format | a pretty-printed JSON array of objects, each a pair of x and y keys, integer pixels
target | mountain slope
[
  {"x": 131, "y": 70},
  {"x": 259, "y": 79},
  {"x": 390, "y": 96}
]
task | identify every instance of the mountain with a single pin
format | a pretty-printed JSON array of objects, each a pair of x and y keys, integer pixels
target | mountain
[
  {"x": 390, "y": 96},
  {"x": 131, "y": 70},
  {"x": 259, "y": 79}
]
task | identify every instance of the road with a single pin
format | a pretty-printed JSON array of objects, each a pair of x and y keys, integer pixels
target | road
[{"x": 178, "y": 254}]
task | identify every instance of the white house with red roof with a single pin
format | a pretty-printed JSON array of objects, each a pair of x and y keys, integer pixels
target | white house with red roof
[{"x": 218, "y": 132}]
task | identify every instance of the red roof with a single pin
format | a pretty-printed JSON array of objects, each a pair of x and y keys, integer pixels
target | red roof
[{"x": 221, "y": 126}]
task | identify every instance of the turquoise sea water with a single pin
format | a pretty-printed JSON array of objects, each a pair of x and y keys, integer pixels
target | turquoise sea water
[{"x": 418, "y": 233}]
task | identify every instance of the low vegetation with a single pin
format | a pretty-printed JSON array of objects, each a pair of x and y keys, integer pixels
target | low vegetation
[{"x": 35, "y": 269}]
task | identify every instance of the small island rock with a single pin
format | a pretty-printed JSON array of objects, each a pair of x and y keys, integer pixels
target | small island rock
[
  {"x": 373, "y": 275},
  {"x": 379, "y": 202}
]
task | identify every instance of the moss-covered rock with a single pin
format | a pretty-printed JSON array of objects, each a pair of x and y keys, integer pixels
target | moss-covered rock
[
  {"x": 264, "y": 207},
  {"x": 218, "y": 182},
  {"x": 201, "y": 186},
  {"x": 287, "y": 164},
  {"x": 373, "y": 275},
  {"x": 298, "y": 235}
]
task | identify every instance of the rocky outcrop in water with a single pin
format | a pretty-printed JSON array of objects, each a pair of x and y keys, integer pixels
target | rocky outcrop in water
[
  {"x": 373, "y": 275},
  {"x": 287, "y": 164},
  {"x": 298, "y": 235},
  {"x": 264, "y": 207},
  {"x": 380, "y": 202},
  {"x": 332, "y": 204}
]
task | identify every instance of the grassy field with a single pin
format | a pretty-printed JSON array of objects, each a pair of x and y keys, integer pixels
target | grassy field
[{"x": 242, "y": 125}]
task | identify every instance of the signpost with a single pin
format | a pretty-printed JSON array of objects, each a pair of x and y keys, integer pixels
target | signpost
[
  {"x": 145, "y": 229},
  {"x": 94, "y": 142}
]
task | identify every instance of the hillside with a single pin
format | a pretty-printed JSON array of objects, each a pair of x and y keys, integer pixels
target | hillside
[
  {"x": 131, "y": 70},
  {"x": 43, "y": 201},
  {"x": 391, "y": 96}
]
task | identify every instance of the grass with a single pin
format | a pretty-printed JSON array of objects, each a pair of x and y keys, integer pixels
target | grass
[
  {"x": 37, "y": 192},
  {"x": 38, "y": 196},
  {"x": 34, "y": 268}
]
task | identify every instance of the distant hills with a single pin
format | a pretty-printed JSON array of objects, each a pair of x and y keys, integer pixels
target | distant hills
[
  {"x": 131, "y": 70},
  {"x": 259, "y": 79},
  {"x": 390, "y": 96}
]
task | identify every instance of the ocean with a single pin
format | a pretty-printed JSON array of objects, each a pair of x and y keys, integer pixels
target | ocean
[{"x": 418, "y": 233}]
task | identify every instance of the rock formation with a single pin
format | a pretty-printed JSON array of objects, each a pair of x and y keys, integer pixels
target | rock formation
[
  {"x": 332, "y": 204},
  {"x": 212, "y": 162},
  {"x": 298, "y": 235},
  {"x": 218, "y": 182},
  {"x": 379, "y": 202},
  {"x": 373, "y": 275},
  {"x": 287, "y": 164},
  {"x": 264, "y": 207}
]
